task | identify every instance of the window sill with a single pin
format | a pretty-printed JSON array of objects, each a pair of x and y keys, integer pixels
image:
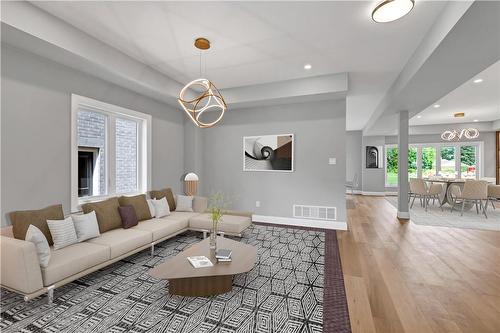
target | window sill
[{"x": 98, "y": 198}]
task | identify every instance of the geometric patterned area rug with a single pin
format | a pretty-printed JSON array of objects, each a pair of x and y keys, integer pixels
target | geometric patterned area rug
[
  {"x": 445, "y": 218},
  {"x": 282, "y": 293}
]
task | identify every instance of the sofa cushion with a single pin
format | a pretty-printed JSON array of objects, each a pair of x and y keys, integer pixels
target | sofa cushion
[
  {"x": 73, "y": 259},
  {"x": 121, "y": 241},
  {"x": 107, "y": 213},
  {"x": 231, "y": 224},
  {"x": 160, "y": 227},
  {"x": 21, "y": 221},
  {"x": 180, "y": 216},
  {"x": 128, "y": 215},
  {"x": 140, "y": 205},
  {"x": 165, "y": 193}
]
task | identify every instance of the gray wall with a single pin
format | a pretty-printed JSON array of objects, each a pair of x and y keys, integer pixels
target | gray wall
[
  {"x": 319, "y": 130},
  {"x": 35, "y": 133},
  {"x": 373, "y": 179},
  {"x": 354, "y": 141}
]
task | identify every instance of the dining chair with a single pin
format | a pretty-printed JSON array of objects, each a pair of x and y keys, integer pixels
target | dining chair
[
  {"x": 474, "y": 191},
  {"x": 433, "y": 193},
  {"x": 352, "y": 184},
  {"x": 493, "y": 194},
  {"x": 419, "y": 190}
]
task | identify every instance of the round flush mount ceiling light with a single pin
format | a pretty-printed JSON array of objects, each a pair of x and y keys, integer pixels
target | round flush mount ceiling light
[
  {"x": 391, "y": 10},
  {"x": 307, "y": 66},
  {"x": 436, "y": 106},
  {"x": 459, "y": 114},
  {"x": 478, "y": 80}
]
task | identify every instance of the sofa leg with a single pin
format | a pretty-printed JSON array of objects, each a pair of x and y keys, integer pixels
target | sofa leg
[
  {"x": 152, "y": 250},
  {"x": 50, "y": 295}
]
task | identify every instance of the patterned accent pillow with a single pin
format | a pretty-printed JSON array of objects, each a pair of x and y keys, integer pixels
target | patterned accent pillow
[
  {"x": 37, "y": 237},
  {"x": 63, "y": 232}
]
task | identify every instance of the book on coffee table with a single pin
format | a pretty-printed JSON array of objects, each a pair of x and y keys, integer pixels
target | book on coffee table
[
  {"x": 200, "y": 261},
  {"x": 223, "y": 254}
]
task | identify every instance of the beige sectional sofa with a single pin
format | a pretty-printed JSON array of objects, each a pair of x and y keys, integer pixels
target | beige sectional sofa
[{"x": 21, "y": 271}]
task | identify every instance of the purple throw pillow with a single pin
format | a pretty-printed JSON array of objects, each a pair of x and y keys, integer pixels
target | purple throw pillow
[{"x": 128, "y": 215}]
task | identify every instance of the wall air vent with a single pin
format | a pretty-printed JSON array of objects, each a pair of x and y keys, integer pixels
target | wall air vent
[{"x": 315, "y": 212}]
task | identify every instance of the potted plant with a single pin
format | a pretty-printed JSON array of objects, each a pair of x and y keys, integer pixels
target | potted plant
[{"x": 217, "y": 204}]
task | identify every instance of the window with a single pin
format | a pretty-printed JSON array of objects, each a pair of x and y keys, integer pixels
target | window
[
  {"x": 437, "y": 159},
  {"x": 428, "y": 162},
  {"x": 468, "y": 162},
  {"x": 391, "y": 178},
  {"x": 110, "y": 151}
]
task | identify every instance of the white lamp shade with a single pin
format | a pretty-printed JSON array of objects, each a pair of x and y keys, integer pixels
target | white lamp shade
[{"x": 191, "y": 177}]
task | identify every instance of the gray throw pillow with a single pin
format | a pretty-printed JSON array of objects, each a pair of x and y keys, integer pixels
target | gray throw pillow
[{"x": 184, "y": 203}]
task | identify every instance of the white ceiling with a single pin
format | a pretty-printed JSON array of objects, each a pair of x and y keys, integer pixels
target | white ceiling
[
  {"x": 479, "y": 101},
  {"x": 261, "y": 42}
]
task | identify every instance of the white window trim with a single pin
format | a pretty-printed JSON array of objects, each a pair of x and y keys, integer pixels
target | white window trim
[
  {"x": 144, "y": 135},
  {"x": 438, "y": 146}
]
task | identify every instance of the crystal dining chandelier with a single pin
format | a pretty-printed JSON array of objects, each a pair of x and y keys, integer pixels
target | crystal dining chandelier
[{"x": 201, "y": 95}]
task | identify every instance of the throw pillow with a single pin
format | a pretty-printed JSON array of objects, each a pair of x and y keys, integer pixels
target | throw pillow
[
  {"x": 86, "y": 226},
  {"x": 165, "y": 193},
  {"x": 107, "y": 213},
  {"x": 128, "y": 215},
  {"x": 140, "y": 205},
  {"x": 63, "y": 232},
  {"x": 161, "y": 207},
  {"x": 21, "y": 220},
  {"x": 184, "y": 203},
  {"x": 37, "y": 237},
  {"x": 151, "y": 207}
]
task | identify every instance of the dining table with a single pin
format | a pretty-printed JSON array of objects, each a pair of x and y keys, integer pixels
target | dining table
[{"x": 445, "y": 197}]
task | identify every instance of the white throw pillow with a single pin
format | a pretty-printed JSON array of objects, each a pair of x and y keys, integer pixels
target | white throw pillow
[
  {"x": 184, "y": 203},
  {"x": 86, "y": 226},
  {"x": 37, "y": 237},
  {"x": 161, "y": 207},
  {"x": 63, "y": 232},
  {"x": 151, "y": 207}
]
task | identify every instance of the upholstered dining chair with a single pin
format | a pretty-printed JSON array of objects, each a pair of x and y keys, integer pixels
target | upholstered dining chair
[
  {"x": 493, "y": 194},
  {"x": 353, "y": 184},
  {"x": 433, "y": 193},
  {"x": 474, "y": 191},
  {"x": 418, "y": 189}
]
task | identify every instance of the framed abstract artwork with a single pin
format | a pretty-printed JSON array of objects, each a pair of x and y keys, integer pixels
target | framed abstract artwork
[{"x": 268, "y": 153}]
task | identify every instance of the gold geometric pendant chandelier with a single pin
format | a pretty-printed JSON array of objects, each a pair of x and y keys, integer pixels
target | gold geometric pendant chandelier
[{"x": 209, "y": 98}]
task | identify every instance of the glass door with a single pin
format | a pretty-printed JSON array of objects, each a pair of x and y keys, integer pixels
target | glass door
[
  {"x": 428, "y": 162},
  {"x": 468, "y": 162},
  {"x": 448, "y": 164}
]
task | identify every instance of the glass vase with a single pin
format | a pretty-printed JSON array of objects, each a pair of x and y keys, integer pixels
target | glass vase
[{"x": 213, "y": 236}]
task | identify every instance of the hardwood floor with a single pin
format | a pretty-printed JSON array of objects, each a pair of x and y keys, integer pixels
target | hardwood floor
[{"x": 403, "y": 277}]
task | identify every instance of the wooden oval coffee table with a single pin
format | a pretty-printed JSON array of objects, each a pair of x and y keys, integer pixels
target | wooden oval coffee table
[{"x": 185, "y": 280}]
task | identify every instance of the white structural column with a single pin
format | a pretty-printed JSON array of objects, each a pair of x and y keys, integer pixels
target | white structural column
[{"x": 403, "y": 128}]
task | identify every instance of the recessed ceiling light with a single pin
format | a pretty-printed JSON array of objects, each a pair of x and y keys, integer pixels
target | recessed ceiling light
[
  {"x": 307, "y": 66},
  {"x": 436, "y": 106},
  {"x": 475, "y": 120},
  {"x": 391, "y": 10},
  {"x": 478, "y": 80},
  {"x": 419, "y": 117}
]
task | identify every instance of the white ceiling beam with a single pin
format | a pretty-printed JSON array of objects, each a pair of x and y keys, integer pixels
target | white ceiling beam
[{"x": 453, "y": 12}]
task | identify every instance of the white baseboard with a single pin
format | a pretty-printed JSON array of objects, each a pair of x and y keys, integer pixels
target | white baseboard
[
  {"x": 379, "y": 193},
  {"x": 404, "y": 215},
  {"x": 334, "y": 225},
  {"x": 353, "y": 192}
]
